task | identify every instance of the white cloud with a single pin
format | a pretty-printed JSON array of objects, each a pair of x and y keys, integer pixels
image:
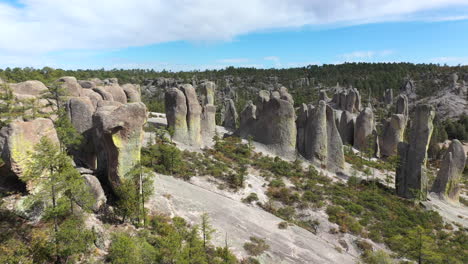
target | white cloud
[
  {"x": 450, "y": 60},
  {"x": 273, "y": 59},
  {"x": 368, "y": 55},
  {"x": 40, "y": 26},
  {"x": 234, "y": 60}
]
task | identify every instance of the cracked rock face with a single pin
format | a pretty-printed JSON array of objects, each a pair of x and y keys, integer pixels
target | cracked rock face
[
  {"x": 119, "y": 133},
  {"x": 271, "y": 122},
  {"x": 393, "y": 132},
  {"x": 16, "y": 141},
  {"x": 229, "y": 114},
  {"x": 447, "y": 183},
  {"x": 363, "y": 128},
  {"x": 411, "y": 178}
]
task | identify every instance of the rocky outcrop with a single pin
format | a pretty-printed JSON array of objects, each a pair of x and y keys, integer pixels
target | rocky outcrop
[
  {"x": 393, "y": 131},
  {"x": 448, "y": 182},
  {"x": 347, "y": 100},
  {"x": 194, "y": 111},
  {"x": 346, "y": 127},
  {"x": 17, "y": 140},
  {"x": 96, "y": 190},
  {"x": 208, "y": 118},
  {"x": 273, "y": 123},
  {"x": 411, "y": 179},
  {"x": 301, "y": 124},
  {"x": 118, "y": 137},
  {"x": 132, "y": 92},
  {"x": 388, "y": 97},
  {"x": 31, "y": 88},
  {"x": 70, "y": 85},
  {"x": 363, "y": 129},
  {"x": 116, "y": 91},
  {"x": 322, "y": 143},
  {"x": 229, "y": 114},
  {"x": 176, "y": 114},
  {"x": 402, "y": 105}
]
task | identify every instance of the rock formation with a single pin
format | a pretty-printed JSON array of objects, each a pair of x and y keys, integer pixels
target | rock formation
[
  {"x": 363, "y": 128},
  {"x": 229, "y": 114},
  {"x": 176, "y": 114},
  {"x": 16, "y": 141},
  {"x": 194, "y": 111},
  {"x": 402, "y": 105},
  {"x": 346, "y": 127},
  {"x": 118, "y": 137},
  {"x": 321, "y": 141},
  {"x": 301, "y": 124},
  {"x": 388, "y": 96},
  {"x": 411, "y": 179},
  {"x": 208, "y": 118},
  {"x": 347, "y": 100},
  {"x": 97, "y": 192},
  {"x": 393, "y": 131},
  {"x": 447, "y": 183},
  {"x": 272, "y": 123}
]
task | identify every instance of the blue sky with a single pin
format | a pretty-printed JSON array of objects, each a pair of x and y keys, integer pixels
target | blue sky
[{"x": 209, "y": 34}]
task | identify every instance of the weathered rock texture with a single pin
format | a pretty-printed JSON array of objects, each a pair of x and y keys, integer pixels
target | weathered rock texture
[
  {"x": 301, "y": 124},
  {"x": 194, "y": 111},
  {"x": 17, "y": 140},
  {"x": 273, "y": 123},
  {"x": 321, "y": 140},
  {"x": 118, "y": 134},
  {"x": 347, "y": 100},
  {"x": 402, "y": 105},
  {"x": 208, "y": 118},
  {"x": 176, "y": 114},
  {"x": 97, "y": 192},
  {"x": 393, "y": 131},
  {"x": 229, "y": 114},
  {"x": 447, "y": 184},
  {"x": 346, "y": 127},
  {"x": 388, "y": 96},
  {"x": 411, "y": 179},
  {"x": 363, "y": 128}
]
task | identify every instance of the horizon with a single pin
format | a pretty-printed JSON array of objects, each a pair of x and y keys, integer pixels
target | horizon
[{"x": 208, "y": 35}]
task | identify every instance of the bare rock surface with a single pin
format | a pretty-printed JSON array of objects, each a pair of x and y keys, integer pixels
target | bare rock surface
[
  {"x": 411, "y": 178},
  {"x": 393, "y": 131},
  {"x": 448, "y": 182},
  {"x": 240, "y": 221}
]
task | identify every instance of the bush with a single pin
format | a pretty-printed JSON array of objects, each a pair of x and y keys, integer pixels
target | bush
[
  {"x": 128, "y": 249},
  {"x": 251, "y": 198},
  {"x": 256, "y": 247},
  {"x": 377, "y": 257}
]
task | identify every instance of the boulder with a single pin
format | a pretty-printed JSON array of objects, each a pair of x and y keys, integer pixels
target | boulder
[
  {"x": 323, "y": 96},
  {"x": 346, "y": 127},
  {"x": 32, "y": 88},
  {"x": 316, "y": 135},
  {"x": 335, "y": 154},
  {"x": 273, "y": 123},
  {"x": 176, "y": 114},
  {"x": 393, "y": 131},
  {"x": 194, "y": 111},
  {"x": 118, "y": 139},
  {"x": 96, "y": 191},
  {"x": 388, "y": 96},
  {"x": 402, "y": 105},
  {"x": 411, "y": 178},
  {"x": 363, "y": 128},
  {"x": 229, "y": 116},
  {"x": 448, "y": 182},
  {"x": 248, "y": 115},
  {"x": 87, "y": 84},
  {"x": 80, "y": 112},
  {"x": 17, "y": 140},
  {"x": 301, "y": 124},
  {"x": 97, "y": 81},
  {"x": 104, "y": 94},
  {"x": 285, "y": 95},
  {"x": 207, "y": 90},
  {"x": 70, "y": 85},
  {"x": 132, "y": 92},
  {"x": 208, "y": 122},
  {"x": 117, "y": 92},
  {"x": 93, "y": 96},
  {"x": 351, "y": 98}
]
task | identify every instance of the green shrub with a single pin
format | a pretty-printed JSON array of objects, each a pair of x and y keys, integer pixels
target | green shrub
[{"x": 256, "y": 246}]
